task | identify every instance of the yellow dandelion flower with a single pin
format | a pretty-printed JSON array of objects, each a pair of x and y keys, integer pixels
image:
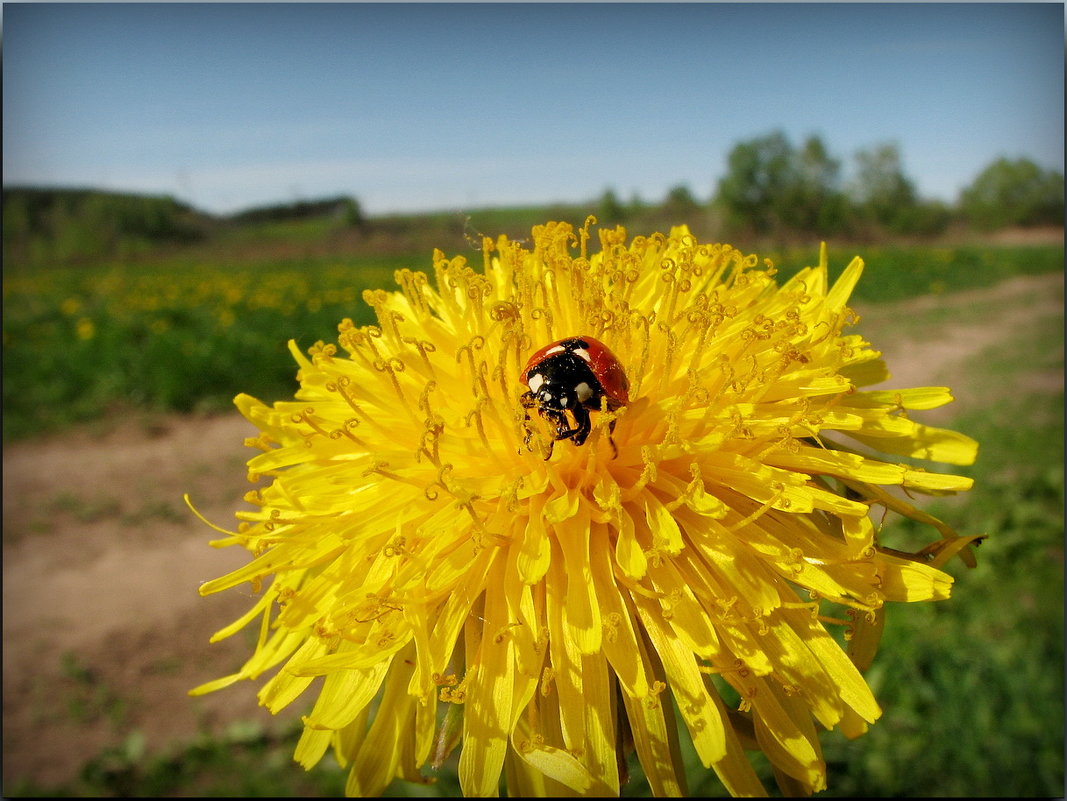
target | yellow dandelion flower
[
  {"x": 85, "y": 328},
  {"x": 455, "y": 580}
]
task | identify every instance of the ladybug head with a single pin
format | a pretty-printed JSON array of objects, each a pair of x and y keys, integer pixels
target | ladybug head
[{"x": 561, "y": 389}]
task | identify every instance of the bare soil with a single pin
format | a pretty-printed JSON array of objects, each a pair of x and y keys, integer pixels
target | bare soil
[{"x": 103, "y": 629}]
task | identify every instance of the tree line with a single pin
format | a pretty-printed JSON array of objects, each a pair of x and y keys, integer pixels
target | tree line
[
  {"x": 773, "y": 188},
  {"x": 72, "y": 225}
]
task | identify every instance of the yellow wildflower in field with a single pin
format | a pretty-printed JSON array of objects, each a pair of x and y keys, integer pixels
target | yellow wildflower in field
[
  {"x": 86, "y": 328},
  {"x": 551, "y": 607}
]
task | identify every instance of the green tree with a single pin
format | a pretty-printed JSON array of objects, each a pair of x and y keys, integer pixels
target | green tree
[
  {"x": 680, "y": 205},
  {"x": 772, "y": 187},
  {"x": 60, "y": 225},
  {"x": 611, "y": 210},
  {"x": 882, "y": 193},
  {"x": 19, "y": 224},
  {"x": 924, "y": 217},
  {"x": 811, "y": 200},
  {"x": 757, "y": 175},
  {"x": 636, "y": 205},
  {"x": 1015, "y": 192},
  {"x": 352, "y": 212}
]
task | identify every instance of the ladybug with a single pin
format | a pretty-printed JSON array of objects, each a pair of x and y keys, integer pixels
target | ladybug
[{"x": 568, "y": 379}]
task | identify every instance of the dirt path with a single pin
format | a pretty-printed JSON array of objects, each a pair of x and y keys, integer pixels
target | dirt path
[
  {"x": 104, "y": 631},
  {"x": 958, "y": 327}
]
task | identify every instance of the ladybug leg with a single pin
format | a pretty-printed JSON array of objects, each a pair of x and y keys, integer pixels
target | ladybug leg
[
  {"x": 528, "y": 402},
  {"x": 562, "y": 424},
  {"x": 581, "y": 418},
  {"x": 614, "y": 448},
  {"x": 559, "y": 420}
]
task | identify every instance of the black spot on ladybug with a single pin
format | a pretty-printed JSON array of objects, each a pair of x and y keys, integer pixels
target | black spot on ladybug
[{"x": 568, "y": 379}]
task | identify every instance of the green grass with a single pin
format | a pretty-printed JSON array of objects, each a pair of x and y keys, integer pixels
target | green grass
[
  {"x": 246, "y": 762},
  {"x": 178, "y": 336},
  {"x": 893, "y": 273},
  {"x": 88, "y": 699},
  {"x": 973, "y": 688}
]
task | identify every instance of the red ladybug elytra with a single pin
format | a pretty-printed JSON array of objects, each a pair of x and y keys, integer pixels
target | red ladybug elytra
[{"x": 572, "y": 376}]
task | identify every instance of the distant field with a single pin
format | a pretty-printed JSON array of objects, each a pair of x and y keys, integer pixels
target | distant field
[
  {"x": 185, "y": 334},
  {"x": 79, "y": 343}
]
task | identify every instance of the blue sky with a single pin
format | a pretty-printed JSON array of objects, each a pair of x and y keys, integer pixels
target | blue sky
[{"x": 457, "y": 106}]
